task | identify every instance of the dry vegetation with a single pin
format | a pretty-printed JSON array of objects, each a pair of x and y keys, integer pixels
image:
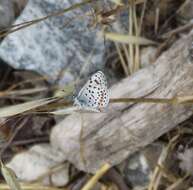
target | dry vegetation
[{"x": 150, "y": 23}]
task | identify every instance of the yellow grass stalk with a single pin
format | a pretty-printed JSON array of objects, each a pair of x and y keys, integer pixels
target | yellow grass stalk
[{"x": 91, "y": 183}]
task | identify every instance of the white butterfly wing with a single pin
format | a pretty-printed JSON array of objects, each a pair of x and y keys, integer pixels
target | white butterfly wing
[{"x": 94, "y": 93}]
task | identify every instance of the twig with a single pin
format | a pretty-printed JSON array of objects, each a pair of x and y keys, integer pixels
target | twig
[{"x": 178, "y": 30}]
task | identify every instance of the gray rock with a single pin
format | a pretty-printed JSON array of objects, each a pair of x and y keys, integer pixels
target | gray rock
[
  {"x": 37, "y": 161},
  {"x": 7, "y": 14},
  {"x": 52, "y": 48}
]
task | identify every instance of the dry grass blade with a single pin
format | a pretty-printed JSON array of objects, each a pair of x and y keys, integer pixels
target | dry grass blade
[
  {"x": 175, "y": 101},
  {"x": 65, "y": 111},
  {"x": 54, "y": 169},
  {"x": 73, "y": 109},
  {"x": 14, "y": 86},
  {"x": 142, "y": 16},
  {"x": 90, "y": 184},
  {"x": 156, "y": 25},
  {"x": 168, "y": 174},
  {"x": 126, "y": 53},
  {"x": 157, "y": 174},
  {"x": 27, "y": 106},
  {"x": 10, "y": 177},
  {"x": 31, "y": 22},
  {"x": 178, "y": 183},
  {"x": 32, "y": 187},
  {"x": 128, "y": 39},
  {"x": 156, "y": 177},
  {"x": 178, "y": 30},
  {"x": 137, "y": 33},
  {"x": 123, "y": 63},
  {"x": 117, "y": 2},
  {"x": 144, "y": 100},
  {"x": 183, "y": 99},
  {"x": 131, "y": 47},
  {"x": 20, "y": 108},
  {"x": 23, "y": 92}
]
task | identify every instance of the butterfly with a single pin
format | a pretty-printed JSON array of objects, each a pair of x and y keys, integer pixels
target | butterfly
[{"x": 94, "y": 95}]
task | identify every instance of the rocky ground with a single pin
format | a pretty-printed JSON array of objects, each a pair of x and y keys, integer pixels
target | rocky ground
[{"x": 143, "y": 140}]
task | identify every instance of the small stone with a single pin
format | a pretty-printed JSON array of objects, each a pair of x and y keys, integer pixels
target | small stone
[{"x": 37, "y": 161}]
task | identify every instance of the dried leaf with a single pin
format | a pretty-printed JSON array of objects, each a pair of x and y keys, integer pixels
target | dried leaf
[
  {"x": 128, "y": 39},
  {"x": 20, "y": 108}
]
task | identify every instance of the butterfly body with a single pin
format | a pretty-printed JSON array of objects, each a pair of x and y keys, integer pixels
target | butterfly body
[{"x": 94, "y": 94}]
